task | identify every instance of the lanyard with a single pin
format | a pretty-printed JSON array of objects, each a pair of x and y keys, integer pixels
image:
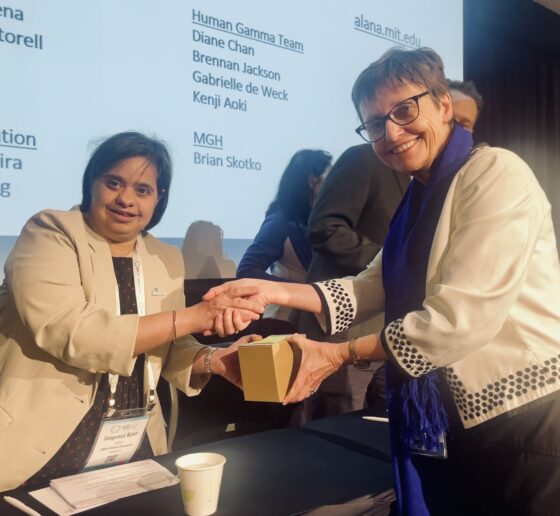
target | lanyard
[{"x": 141, "y": 305}]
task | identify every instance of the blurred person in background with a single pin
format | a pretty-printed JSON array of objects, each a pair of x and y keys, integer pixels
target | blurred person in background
[
  {"x": 467, "y": 103},
  {"x": 203, "y": 252},
  {"x": 282, "y": 244}
]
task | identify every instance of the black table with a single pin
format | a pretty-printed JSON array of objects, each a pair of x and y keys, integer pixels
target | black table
[
  {"x": 278, "y": 472},
  {"x": 353, "y": 432}
]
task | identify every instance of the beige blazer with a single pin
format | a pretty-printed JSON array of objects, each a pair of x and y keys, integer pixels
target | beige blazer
[{"x": 59, "y": 334}]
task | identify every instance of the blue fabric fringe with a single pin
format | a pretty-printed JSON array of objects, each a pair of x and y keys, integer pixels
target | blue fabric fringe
[{"x": 423, "y": 415}]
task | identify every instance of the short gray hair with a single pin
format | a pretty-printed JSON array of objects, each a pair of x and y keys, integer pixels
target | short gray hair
[{"x": 397, "y": 66}]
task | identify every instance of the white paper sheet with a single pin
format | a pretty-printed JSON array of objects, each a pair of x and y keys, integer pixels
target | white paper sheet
[
  {"x": 76, "y": 493},
  {"x": 51, "y": 499}
]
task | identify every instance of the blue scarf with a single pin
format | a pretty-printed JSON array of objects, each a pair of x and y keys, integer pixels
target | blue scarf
[{"x": 415, "y": 407}]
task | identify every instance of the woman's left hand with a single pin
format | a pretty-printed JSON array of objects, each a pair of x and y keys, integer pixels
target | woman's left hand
[
  {"x": 319, "y": 360},
  {"x": 225, "y": 361}
]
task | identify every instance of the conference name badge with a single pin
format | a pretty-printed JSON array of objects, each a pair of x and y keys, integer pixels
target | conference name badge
[{"x": 118, "y": 438}]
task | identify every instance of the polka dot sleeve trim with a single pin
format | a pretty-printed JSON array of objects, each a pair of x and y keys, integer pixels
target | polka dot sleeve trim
[
  {"x": 339, "y": 304},
  {"x": 402, "y": 352},
  {"x": 474, "y": 404}
]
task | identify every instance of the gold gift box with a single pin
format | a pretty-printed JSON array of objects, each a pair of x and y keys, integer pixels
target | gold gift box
[{"x": 268, "y": 368}]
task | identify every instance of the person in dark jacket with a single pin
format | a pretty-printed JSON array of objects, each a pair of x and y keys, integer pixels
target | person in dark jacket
[{"x": 347, "y": 227}]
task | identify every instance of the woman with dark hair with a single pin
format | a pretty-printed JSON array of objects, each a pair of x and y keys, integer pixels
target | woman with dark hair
[
  {"x": 124, "y": 146},
  {"x": 91, "y": 312},
  {"x": 282, "y": 244}
]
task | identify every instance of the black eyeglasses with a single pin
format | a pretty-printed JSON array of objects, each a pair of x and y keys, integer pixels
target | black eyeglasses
[{"x": 403, "y": 113}]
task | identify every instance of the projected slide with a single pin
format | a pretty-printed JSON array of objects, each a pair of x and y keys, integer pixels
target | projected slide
[{"x": 233, "y": 87}]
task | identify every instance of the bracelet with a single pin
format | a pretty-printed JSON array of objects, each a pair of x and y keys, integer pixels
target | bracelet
[
  {"x": 357, "y": 361},
  {"x": 174, "y": 327},
  {"x": 207, "y": 358}
]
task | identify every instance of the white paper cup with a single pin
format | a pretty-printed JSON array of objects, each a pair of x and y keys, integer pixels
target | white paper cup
[{"x": 200, "y": 475}]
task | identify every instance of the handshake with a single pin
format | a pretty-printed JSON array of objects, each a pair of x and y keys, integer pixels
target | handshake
[{"x": 229, "y": 308}]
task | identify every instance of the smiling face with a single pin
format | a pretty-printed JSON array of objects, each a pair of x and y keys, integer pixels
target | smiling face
[
  {"x": 123, "y": 202},
  {"x": 411, "y": 148}
]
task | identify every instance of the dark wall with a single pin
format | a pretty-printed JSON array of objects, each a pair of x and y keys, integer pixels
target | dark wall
[{"x": 512, "y": 53}]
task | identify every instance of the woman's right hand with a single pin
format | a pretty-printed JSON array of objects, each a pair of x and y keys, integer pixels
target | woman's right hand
[
  {"x": 262, "y": 291},
  {"x": 233, "y": 320},
  {"x": 246, "y": 308}
]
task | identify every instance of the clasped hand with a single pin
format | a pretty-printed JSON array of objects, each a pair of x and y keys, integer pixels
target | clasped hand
[
  {"x": 230, "y": 310},
  {"x": 236, "y": 304}
]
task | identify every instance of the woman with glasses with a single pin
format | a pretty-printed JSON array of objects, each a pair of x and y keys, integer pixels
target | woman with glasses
[{"x": 469, "y": 280}]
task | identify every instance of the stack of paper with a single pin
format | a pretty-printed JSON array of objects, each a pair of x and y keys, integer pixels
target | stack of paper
[{"x": 76, "y": 493}]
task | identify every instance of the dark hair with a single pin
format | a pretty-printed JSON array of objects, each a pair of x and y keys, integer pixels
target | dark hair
[
  {"x": 126, "y": 145},
  {"x": 294, "y": 193},
  {"x": 398, "y": 66},
  {"x": 469, "y": 89}
]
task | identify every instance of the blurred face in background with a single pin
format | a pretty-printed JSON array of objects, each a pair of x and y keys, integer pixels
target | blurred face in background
[
  {"x": 316, "y": 182},
  {"x": 465, "y": 111}
]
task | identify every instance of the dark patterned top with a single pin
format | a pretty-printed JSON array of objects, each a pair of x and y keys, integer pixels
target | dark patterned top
[{"x": 73, "y": 454}]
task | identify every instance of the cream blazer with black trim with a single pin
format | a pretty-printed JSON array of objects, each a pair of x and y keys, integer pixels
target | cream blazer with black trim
[
  {"x": 59, "y": 334},
  {"x": 491, "y": 317}
]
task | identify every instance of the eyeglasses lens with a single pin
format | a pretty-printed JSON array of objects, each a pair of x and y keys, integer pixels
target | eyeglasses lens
[{"x": 402, "y": 114}]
